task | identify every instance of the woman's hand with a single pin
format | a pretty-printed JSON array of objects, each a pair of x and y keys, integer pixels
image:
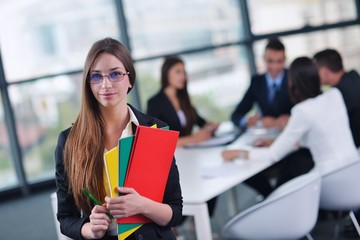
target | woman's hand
[
  {"x": 282, "y": 121},
  {"x": 263, "y": 142},
  {"x": 201, "y": 135},
  {"x": 132, "y": 203},
  {"x": 128, "y": 204},
  {"x": 98, "y": 225},
  {"x": 212, "y": 127},
  {"x": 229, "y": 155}
]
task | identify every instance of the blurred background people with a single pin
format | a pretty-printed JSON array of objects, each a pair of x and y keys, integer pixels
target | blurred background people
[
  {"x": 269, "y": 93},
  {"x": 318, "y": 121}
]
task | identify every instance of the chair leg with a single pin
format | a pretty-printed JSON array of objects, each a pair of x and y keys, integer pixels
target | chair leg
[
  {"x": 337, "y": 225},
  {"x": 309, "y": 237},
  {"x": 355, "y": 222}
]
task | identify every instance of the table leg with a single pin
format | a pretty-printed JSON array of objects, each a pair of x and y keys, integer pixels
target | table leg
[
  {"x": 232, "y": 202},
  {"x": 202, "y": 219}
]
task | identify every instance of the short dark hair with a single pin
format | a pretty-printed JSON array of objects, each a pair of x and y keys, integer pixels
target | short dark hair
[
  {"x": 275, "y": 44},
  {"x": 304, "y": 80},
  {"x": 329, "y": 58}
]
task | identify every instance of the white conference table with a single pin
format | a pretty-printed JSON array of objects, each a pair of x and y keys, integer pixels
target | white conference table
[{"x": 197, "y": 189}]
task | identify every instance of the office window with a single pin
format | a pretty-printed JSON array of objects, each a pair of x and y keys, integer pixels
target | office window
[
  {"x": 42, "y": 110},
  {"x": 217, "y": 80},
  {"x": 345, "y": 40},
  {"x": 158, "y": 27},
  {"x": 7, "y": 170},
  {"x": 48, "y": 37},
  {"x": 269, "y": 16}
]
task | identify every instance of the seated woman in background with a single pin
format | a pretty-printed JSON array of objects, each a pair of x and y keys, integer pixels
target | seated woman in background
[
  {"x": 172, "y": 104},
  {"x": 317, "y": 121}
]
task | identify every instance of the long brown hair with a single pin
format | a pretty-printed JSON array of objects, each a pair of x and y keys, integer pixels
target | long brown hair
[
  {"x": 84, "y": 148},
  {"x": 304, "y": 80},
  {"x": 182, "y": 94}
]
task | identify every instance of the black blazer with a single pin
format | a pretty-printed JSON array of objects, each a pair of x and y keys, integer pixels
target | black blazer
[
  {"x": 349, "y": 87},
  {"x": 70, "y": 217},
  {"x": 159, "y": 106},
  {"x": 258, "y": 93}
]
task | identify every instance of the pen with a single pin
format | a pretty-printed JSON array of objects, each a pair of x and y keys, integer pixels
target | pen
[{"x": 94, "y": 200}]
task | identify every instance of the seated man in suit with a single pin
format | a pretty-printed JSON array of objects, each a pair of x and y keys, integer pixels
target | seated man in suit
[{"x": 269, "y": 91}]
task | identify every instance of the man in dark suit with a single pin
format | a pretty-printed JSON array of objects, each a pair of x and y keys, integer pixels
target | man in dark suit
[
  {"x": 269, "y": 91},
  {"x": 331, "y": 72}
]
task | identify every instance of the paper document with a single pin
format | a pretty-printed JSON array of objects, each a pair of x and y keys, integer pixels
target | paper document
[{"x": 215, "y": 141}]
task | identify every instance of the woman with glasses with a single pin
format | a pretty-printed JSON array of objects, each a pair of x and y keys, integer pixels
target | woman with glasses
[
  {"x": 318, "y": 121},
  {"x": 105, "y": 116}
]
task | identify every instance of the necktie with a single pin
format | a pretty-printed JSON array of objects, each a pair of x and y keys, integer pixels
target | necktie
[{"x": 272, "y": 92}]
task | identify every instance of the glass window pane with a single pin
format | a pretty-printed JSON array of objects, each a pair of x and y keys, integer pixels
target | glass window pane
[
  {"x": 159, "y": 27},
  {"x": 40, "y": 37},
  {"x": 268, "y": 16},
  {"x": 8, "y": 176},
  {"x": 345, "y": 40},
  {"x": 42, "y": 109},
  {"x": 217, "y": 80}
]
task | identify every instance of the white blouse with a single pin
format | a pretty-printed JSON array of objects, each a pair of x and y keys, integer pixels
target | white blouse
[
  {"x": 112, "y": 230},
  {"x": 320, "y": 124},
  {"x": 182, "y": 117}
]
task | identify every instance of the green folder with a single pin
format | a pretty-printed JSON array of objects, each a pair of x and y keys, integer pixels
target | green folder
[{"x": 125, "y": 146}]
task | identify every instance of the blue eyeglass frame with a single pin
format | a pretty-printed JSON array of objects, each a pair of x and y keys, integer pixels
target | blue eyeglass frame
[{"x": 101, "y": 77}]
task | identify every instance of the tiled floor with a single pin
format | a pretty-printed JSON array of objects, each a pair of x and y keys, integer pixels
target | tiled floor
[{"x": 31, "y": 218}]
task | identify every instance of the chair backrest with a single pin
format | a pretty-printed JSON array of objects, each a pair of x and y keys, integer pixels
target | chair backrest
[
  {"x": 54, "y": 203},
  {"x": 290, "y": 212},
  {"x": 339, "y": 189}
]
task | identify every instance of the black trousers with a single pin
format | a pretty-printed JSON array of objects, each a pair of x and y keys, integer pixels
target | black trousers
[{"x": 292, "y": 165}]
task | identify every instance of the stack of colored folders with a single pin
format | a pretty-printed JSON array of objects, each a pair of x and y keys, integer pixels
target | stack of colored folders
[{"x": 141, "y": 162}]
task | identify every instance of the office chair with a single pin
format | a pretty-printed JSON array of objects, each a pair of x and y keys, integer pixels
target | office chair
[
  {"x": 60, "y": 236},
  {"x": 340, "y": 191},
  {"x": 290, "y": 212}
]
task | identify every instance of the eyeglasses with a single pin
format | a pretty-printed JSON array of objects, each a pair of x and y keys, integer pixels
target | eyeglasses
[{"x": 115, "y": 76}]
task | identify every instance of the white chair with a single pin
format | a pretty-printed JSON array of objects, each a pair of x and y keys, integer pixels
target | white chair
[
  {"x": 290, "y": 212},
  {"x": 340, "y": 191},
  {"x": 60, "y": 236}
]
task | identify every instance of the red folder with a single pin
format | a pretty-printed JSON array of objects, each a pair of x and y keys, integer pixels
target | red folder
[{"x": 149, "y": 165}]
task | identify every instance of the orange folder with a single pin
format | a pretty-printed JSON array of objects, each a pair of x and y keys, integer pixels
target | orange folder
[{"x": 149, "y": 165}]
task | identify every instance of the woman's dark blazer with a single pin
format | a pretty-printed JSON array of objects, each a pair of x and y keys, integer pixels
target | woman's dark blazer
[
  {"x": 159, "y": 106},
  {"x": 71, "y": 218}
]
